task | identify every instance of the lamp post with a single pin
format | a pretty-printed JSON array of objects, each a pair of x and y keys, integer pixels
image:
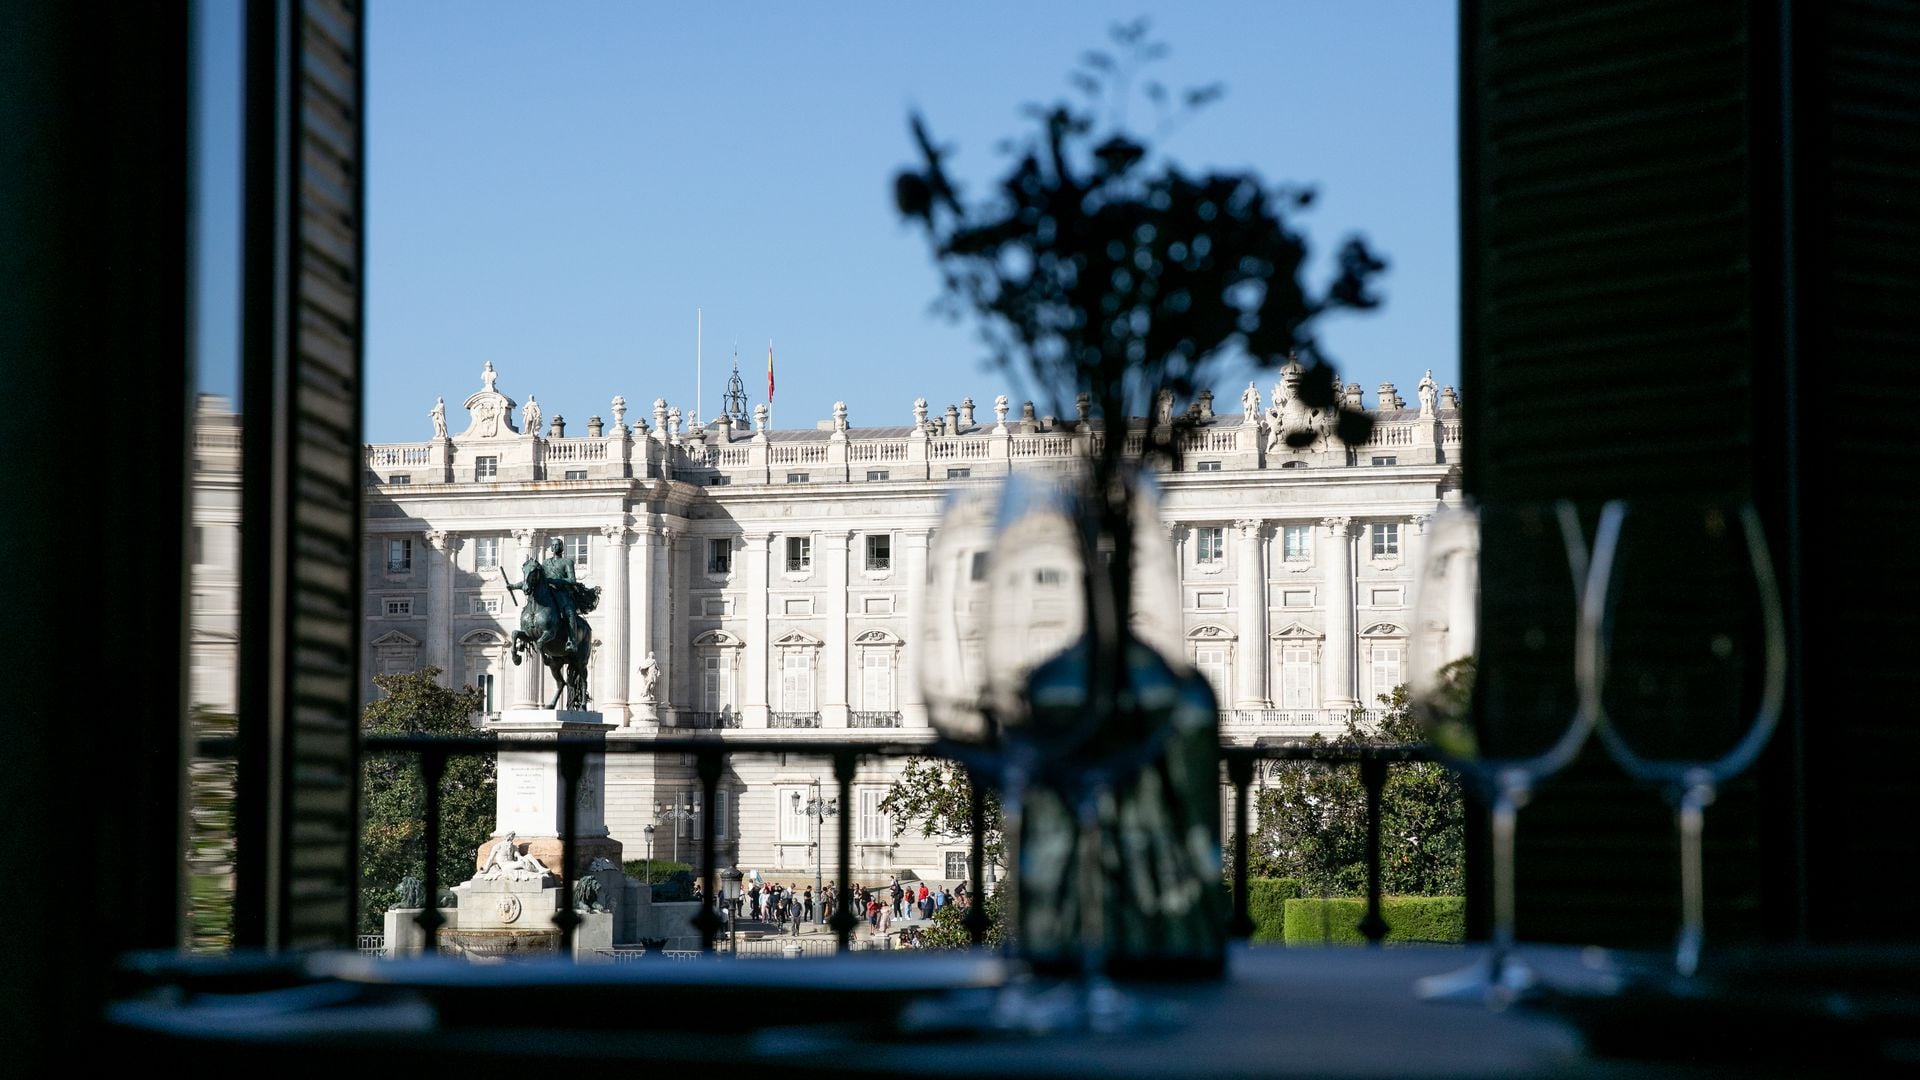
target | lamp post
[
  {"x": 730, "y": 888},
  {"x": 676, "y": 814},
  {"x": 819, "y": 810},
  {"x": 649, "y": 872}
]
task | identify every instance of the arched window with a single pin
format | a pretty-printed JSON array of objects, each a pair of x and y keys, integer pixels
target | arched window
[{"x": 484, "y": 656}]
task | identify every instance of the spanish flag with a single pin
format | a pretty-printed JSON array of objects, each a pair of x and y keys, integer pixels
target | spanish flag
[{"x": 769, "y": 371}]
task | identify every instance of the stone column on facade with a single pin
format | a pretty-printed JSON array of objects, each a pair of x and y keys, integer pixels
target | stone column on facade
[
  {"x": 753, "y": 689},
  {"x": 1250, "y": 691},
  {"x": 610, "y": 623},
  {"x": 913, "y": 564},
  {"x": 444, "y": 546},
  {"x": 1337, "y": 595},
  {"x": 676, "y": 664},
  {"x": 661, "y": 573},
  {"x": 1413, "y": 548},
  {"x": 641, "y": 588},
  {"x": 526, "y": 675},
  {"x": 835, "y": 552}
]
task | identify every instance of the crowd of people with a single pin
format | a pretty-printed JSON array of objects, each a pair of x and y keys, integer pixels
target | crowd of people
[{"x": 791, "y": 905}]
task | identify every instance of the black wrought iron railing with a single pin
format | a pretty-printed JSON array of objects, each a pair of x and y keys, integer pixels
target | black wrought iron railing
[
  {"x": 873, "y": 718},
  {"x": 710, "y": 758},
  {"x": 793, "y": 719},
  {"x": 708, "y": 721}
]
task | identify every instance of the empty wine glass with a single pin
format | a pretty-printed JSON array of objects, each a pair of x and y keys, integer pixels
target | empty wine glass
[
  {"x": 1684, "y": 656},
  {"x": 1496, "y": 623}
]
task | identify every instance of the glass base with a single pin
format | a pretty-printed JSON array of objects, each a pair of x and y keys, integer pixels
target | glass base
[{"x": 1498, "y": 981}]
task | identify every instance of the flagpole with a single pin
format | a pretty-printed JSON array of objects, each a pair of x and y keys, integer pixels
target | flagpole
[{"x": 696, "y": 363}]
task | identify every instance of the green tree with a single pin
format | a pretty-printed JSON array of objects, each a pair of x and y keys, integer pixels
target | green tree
[
  {"x": 934, "y": 795},
  {"x": 210, "y": 838},
  {"x": 394, "y": 836},
  {"x": 1312, "y": 822},
  {"x": 948, "y": 928}
]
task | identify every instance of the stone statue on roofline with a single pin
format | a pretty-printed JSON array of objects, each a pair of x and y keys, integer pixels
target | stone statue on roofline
[
  {"x": 439, "y": 416},
  {"x": 1250, "y": 403},
  {"x": 530, "y": 417}
]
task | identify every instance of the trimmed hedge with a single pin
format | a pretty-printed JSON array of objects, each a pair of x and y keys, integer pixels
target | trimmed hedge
[
  {"x": 1409, "y": 919},
  {"x": 1266, "y": 904},
  {"x": 662, "y": 869}
]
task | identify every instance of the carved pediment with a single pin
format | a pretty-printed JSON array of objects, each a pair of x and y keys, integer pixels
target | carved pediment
[
  {"x": 1384, "y": 629},
  {"x": 878, "y": 637},
  {"x": 1210, "y": 633},
  {"x": 794, "y": 639},
  {"x": 1297, "y": 632},
  {"x": 718, "y": 639},
  {"x": 483, "y": 637},
  {"x": 489, "y": 410},
  {"x": 394, "y": 639}
]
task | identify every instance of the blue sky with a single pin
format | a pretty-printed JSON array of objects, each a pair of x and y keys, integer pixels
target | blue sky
[{"x": 557, "y": 189}]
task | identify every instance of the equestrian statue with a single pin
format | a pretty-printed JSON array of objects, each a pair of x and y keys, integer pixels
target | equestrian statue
[{"x": 551, "y": 623}]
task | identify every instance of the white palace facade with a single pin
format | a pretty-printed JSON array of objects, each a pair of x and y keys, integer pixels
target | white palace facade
[{"x": 761, "y": 581}]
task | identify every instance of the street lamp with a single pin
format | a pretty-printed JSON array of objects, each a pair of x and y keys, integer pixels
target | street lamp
[
  {"x": 663, "y": 812},
  {"x": 730, "y": 888},
  {"x": 819, "y": 810},
  {"x": 649, "y": 872}
]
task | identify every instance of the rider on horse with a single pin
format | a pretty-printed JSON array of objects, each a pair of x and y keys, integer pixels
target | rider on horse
[
  {"x": 569, "y": 597},
  {"x": 551, "y": 624}
]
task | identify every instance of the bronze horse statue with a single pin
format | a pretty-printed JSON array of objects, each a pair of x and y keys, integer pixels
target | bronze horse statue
[{"x": 550, "y": 625}]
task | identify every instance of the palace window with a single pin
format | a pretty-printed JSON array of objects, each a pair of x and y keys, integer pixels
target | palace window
[
  {"x": 1048, "y": 575},
  {"x": 1386, "y": 667},
  {"x": 399, "y": 556},
  {"x": 400, "y": 478},
  {"x": 796, "y": 681},
  {"x": 716, "y": 684},
  {"x": 876, "y": 679},
  {"x": 959, "y": 474},
  {"x": 795, "y": 825},
  {"x": 880, "y": 552},
  {"x": 877, "y": 474},
  {"x": 1207, "y": 466},
  {"x": 1210, "y": 544},
  {"x": 577, "y": 550},
  {"x": 977, "y": 570},
  {"x": 1296, "y": 677},
  {"x": 486, "y": 552},
  {"x": 1216, "y": 663},
  {"x": 398, "y": 606},
  {"x": 483, "y": 605},
  {"x": 797, "y": 478},
  {"x": 799, "y": 554},
  {"x": 875, "y": 826},
  {"x": 720, "y": 556},
  {"x": 486, "y": 468},
  {"x": 576, "y": 474},
  {"x": 1386, "y": 540},
  {"x": 1385, "y": 459},
  {"x": 483, "y": 682},
  {"x": 957, "y": 868},
  {"x": 1296, "y": 543}
]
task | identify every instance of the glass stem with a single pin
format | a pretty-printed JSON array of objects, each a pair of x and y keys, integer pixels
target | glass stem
[
  {"x": 1506, "y": 808},
  {"x": 1690, "y": 814}
]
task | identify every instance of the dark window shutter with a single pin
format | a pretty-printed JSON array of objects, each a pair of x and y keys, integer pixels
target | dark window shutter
[
  {"x": 300, "y": 687},
  {"x": 1689, "y": 267}
]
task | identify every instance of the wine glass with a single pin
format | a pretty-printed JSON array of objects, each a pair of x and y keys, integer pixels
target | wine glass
[
  {"x": 1496, "y": 625},
  {"x": 1684, "y": 656}
]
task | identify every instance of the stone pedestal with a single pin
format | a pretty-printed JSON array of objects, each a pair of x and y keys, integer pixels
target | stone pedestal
[
  {"x": 593, "y": 938},
  {"x": 531, "y": 794},
  {"x": 404, "y": 935},
  {"x": 507, "y": 904}
]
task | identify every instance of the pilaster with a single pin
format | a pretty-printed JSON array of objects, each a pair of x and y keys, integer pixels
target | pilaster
[
  {"x": 831, "y": 560},
  {"x": 753, "y": 685},
  {"x": 1250, "y": 666},
  {"x": 612, "y": 659},
  {"x": 913, "y": 560},
  {"x": 445, "y": 546},
  {"x": 1337, "y": 686}
]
